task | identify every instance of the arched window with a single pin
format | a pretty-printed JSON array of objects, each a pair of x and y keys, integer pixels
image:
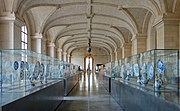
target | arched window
[
  {"x": 24, "y": 35},
  {"x": 88, "y": 63}
]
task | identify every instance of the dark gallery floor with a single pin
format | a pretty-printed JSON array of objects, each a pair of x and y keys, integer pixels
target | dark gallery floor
[{"x": 89, "y": 95}]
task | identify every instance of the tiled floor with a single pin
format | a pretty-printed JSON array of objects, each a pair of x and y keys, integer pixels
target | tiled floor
[{"x": 89, "y": 95}]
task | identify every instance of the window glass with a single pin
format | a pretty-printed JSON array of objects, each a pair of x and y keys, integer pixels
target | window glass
[{"x": 24, "y": 39}]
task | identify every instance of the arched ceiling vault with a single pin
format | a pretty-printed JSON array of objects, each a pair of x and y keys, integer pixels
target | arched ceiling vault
[
  {"x": 109, "y": 23},
  {"x": 93, "y": 40},
  {"x": 72, "y": 49},
  {"x": 75, "y": 46},
  {"x": 150, "y": 5},
  {"x": 94, "y": 43},
  {"x": 94, "y": 30}
]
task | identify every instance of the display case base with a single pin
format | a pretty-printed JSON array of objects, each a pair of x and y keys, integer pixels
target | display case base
[
  {"x": 133, "y": 98},
  {"x": 45, "y": 99},
  {"x": 69, "y": 83},
  {"x": 107, "y": 83}
]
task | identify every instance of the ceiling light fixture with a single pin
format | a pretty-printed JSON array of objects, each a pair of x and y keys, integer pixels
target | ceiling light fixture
[{"x": 89, "y": 44}]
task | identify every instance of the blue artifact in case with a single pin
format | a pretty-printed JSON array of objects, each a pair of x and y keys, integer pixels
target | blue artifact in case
[
  {"x": 150, "y": 70},
  {"x": 22, "y": 65},
  {"x": 155, "y": 69},
  {"x": 41, "y": 73},
  {"x": 136, "y": 70},
  {"x": 160, "y": 66},
  {"x": 144, "y": 74},
  {"x": 27, "y": 65},
  {"x": 16, "y": 65}
]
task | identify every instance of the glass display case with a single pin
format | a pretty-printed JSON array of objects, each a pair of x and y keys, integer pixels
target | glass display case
[
  {"x": 113, "y": 69},
  {"x": 69, "y": 69},
  {"x": 23, "y": 70},
  {"x": 157, "y": 70},
  {"x": 107, "y": 71}
]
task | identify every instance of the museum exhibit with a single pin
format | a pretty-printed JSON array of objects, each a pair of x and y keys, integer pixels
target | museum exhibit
[{"x": 89, "y": 55}]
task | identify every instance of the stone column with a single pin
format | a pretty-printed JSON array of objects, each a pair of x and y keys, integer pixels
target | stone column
[
  {"x": 36, "y": 43},
  {"x": 65, "y": 56},
  {"x": 7, "y": 31},
  {"x": 59, "y": 53},
  {"x": 44, "y": 46},
  {"x": 119, "y": 53},
  {"x": 168, "y": 33},
  {"x": 115, "y": 53},
  {"x": 111, "y": 57},
  {"x": 51, "y": 47},
  {"x": 139, "y": 44},
  {"x": 69, "y": 58},
  {"x": 126, "y": 50}
]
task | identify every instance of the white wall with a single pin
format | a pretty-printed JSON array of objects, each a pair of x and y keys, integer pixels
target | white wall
[{"x": 101, "y": 57}]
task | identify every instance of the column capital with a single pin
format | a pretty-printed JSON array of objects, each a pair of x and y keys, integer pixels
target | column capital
[
  {"x": 51, "y": 44},
  {"x": 7, "y": 16},
  {"x": 37, "y": 36},
  {"x": 59, "y": 50},
  {"x": 69, "y": 55},
  {"x": 64, "y": 53}
]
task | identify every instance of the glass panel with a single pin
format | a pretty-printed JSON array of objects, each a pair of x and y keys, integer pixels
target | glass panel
[
  {"x": 107, "y": 69},
  {"x": 166, "y": 72},
  {"x": 156, "y": 71},
  {"x": 24, "y": 70}
]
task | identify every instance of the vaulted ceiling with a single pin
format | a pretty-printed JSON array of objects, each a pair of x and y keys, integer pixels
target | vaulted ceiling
[{"x": 71, "y": 23}]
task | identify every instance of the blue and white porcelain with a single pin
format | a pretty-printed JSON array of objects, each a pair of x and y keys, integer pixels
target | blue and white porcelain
[
  {"x": 158, "y": 83},
  {"x": 48, "y": 70},
  {"x": 160, "y": 66},
  {"x": 136, "y": 69},
  {"x": 36, "y": 69},
  {"x": 41, "y": 70},
  {"x": 22, "y": 65},
  {"x": 150, "y": 70},
  {"x": 27, "y": 65},
  {"x": 41, "y": 73},
  {"x": 21, "y": 74},
  {"x": 143, "y": 68},
  {"x": 131, "y": 69},
  {"x": 16, "y": 65}
]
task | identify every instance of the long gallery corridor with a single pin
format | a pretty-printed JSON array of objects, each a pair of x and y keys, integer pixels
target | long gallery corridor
[{"x": 89, "y": 95}]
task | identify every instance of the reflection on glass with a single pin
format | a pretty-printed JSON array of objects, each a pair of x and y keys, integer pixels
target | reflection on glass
[
  {"x": 155, "y": 69},
  {"x": 23, "y": 70}
]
